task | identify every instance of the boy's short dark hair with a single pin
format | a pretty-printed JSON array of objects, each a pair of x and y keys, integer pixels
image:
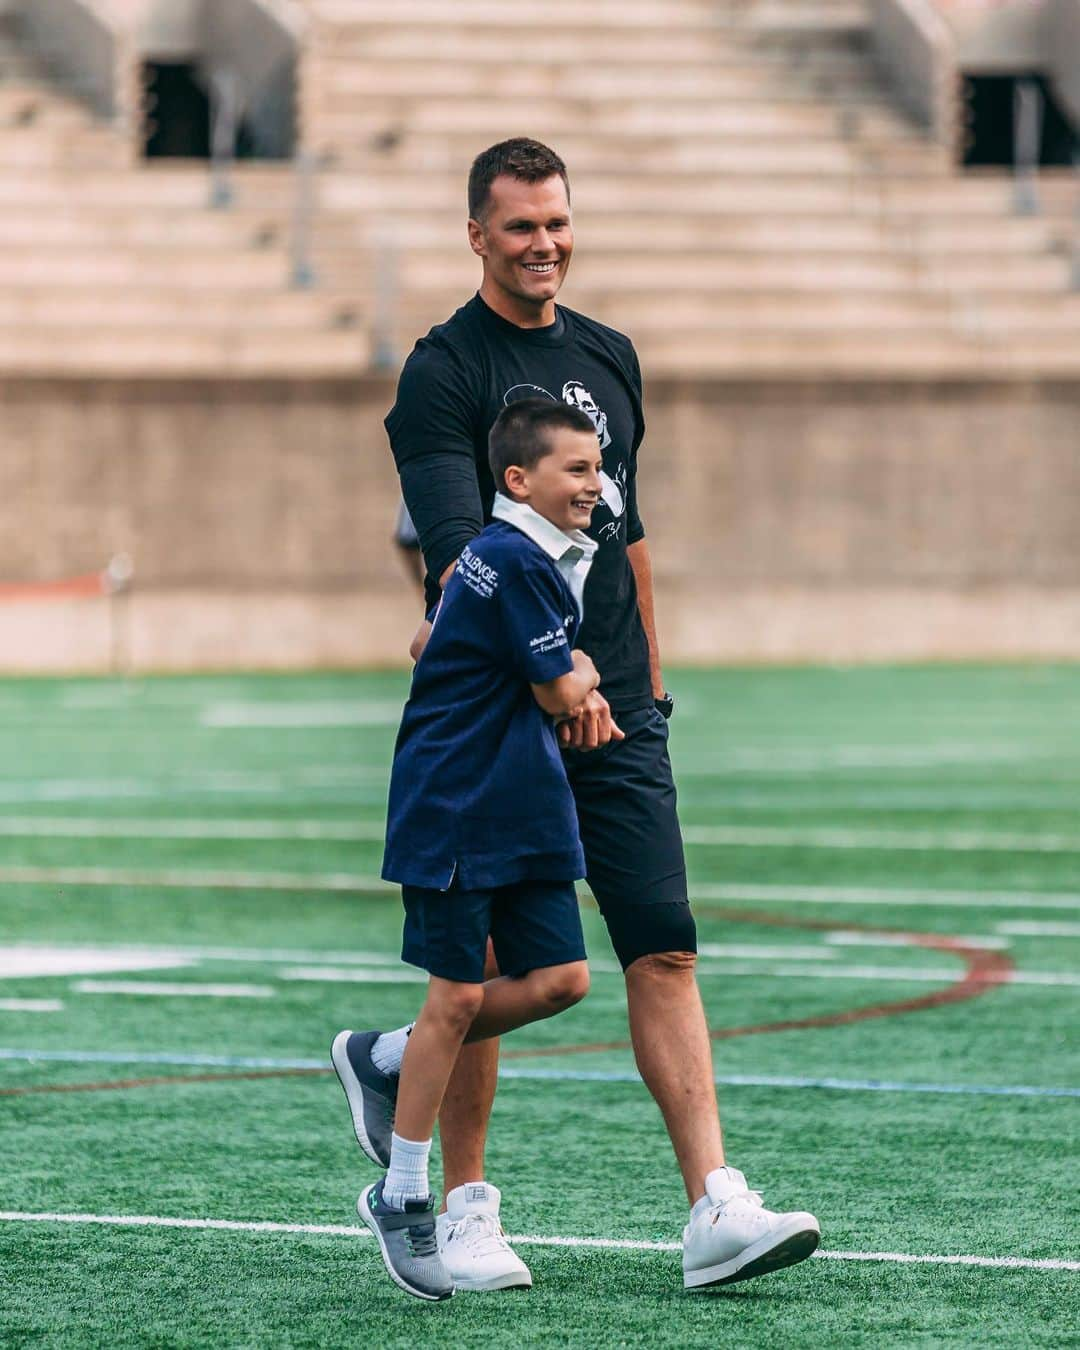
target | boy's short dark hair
[
  {"x": 527, "y": 161},
  {"x": 522, "y": 432}
]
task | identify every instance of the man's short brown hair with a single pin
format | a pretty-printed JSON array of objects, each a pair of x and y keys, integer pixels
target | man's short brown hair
[{"x": 527, "y": 161}]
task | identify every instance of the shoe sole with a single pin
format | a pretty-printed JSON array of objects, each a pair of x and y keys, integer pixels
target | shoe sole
[
  {"x": 512, "y": 1280},
  {"x": 354, "y": 1093},
  {"x": 784, "y": 1248},
  {"x": 373, "y": 1223}
]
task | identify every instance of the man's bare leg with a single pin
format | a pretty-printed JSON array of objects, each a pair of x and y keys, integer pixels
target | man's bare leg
[{"x": 674, "y": 1055}]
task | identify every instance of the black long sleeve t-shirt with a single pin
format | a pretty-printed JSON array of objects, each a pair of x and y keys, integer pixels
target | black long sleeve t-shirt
[{"x": 453, "y": 386}]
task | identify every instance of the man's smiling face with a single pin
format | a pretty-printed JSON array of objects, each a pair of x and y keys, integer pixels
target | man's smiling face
[{"x": 525, "y": 239}]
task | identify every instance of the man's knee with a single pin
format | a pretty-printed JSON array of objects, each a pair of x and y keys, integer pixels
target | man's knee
[{"x": 662, "y": 966}]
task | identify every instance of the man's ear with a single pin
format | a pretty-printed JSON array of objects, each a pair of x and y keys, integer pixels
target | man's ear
[
  {"x": 516, "y": 482},
  {"x": 476, "y": 238}
]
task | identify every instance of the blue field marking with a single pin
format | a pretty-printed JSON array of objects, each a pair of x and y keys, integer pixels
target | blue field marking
[{"x": 539, "y": 1075}]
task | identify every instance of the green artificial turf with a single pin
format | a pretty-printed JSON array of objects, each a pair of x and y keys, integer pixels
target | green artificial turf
[{"x": 978, "y": 768}]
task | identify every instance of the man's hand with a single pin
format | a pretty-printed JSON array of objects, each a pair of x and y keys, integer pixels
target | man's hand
[
  {"x": 592, "y": 727},
  {"x": 419, "y": 642}
]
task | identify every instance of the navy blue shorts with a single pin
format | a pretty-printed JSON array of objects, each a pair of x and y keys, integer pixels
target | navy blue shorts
[
  {"x": 531, "y": 924},
  {"x": 629, "y": 823}
]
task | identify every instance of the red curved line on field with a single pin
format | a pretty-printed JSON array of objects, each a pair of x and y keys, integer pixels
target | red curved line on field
[
  {"x": 122, "y": 1084},
  {"x": 984, "y": 970}
]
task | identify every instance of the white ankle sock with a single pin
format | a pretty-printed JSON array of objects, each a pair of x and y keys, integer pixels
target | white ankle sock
[
  {"x": 388, "y": 1050},
  {"x": 407, "y": 1178}
]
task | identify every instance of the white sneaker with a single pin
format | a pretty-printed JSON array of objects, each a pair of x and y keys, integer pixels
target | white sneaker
[
  {"x": 472, "y": 1243},
  {"x": 735, "y": 1238}
]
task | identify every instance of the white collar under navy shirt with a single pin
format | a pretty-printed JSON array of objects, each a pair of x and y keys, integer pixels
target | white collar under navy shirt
[{"x": 572, "y": 551}]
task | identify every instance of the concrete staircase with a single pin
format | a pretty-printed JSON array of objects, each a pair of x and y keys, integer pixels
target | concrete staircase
[
  {"x": 109, "y": 266},
  {"x": 747, "y": 200}
]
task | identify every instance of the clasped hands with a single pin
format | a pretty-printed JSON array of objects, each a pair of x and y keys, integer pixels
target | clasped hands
[{"x": 591, "y": 727}]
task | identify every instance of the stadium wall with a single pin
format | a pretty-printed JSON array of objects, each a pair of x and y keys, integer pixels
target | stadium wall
[{"x": 789, "y": 520}]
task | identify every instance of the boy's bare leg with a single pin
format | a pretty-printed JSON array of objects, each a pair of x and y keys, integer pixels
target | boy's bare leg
[
  {"x": 508, "y": 1003},
  {"x": 512, "y": 1002},
  {"x": 466, "y": 1111},
  {"x": 431, "y": 1053},
  {"x": 466, "y": 1108},
  {"x": 674, "y": 1054}
]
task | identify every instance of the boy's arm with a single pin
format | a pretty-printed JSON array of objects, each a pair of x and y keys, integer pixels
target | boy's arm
[{"x": 563, "y": 697}]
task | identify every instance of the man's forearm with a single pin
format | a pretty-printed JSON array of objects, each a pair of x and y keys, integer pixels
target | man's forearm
[{"x": 641, "y": 566}]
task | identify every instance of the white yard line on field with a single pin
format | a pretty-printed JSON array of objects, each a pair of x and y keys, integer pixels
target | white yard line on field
[
  {"x": 901, "y": 896},
  {"x": 1063, "y": 979},
  {"x": 37, "y": 956},
  {"x": 915, "y": 841},
  {"x": 353, "y": 975},
  {"x": 844, "y": 939},
  {"x": 818, "y": 759},
  {"x": 167, "y": 788},
  {"x": 763, "y": 952},
  {"x": 158, "y": 989},
  {"x": 34, "y": 1005},
  {"x": 198, "y": 878},
  {"x": 24, "y": 961},
  {"x": 295, "y": 714},
  {"x": 1033, "y": 928},
  {"x": 523, "y": 1240},
  {"x": 723, "y": 836},
  {"x": 742, "y": 892},
  {"x": 43, "y": 827}
]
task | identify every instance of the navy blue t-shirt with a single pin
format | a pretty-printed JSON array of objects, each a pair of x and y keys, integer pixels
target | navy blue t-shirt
[{"x": 478, "y": 789}]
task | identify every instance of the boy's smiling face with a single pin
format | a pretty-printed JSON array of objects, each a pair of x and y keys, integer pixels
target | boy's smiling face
[{"x": 564, "y": 485}]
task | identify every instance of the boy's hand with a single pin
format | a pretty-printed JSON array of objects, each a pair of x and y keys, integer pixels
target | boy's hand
[{"x": 593, "y": 726}]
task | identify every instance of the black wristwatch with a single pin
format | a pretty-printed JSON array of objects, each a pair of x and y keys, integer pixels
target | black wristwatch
[{"x": 664, "y": 706}]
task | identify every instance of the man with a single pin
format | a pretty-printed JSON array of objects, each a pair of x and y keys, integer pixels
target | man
[{"x": 512, "y": 341}]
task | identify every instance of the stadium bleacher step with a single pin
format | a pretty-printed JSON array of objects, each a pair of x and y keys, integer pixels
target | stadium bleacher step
[
  {"x": 343, "y": 85},
  {"x": 193, "y": 349},
  {"x": 547, "y": 46},
  {"x": 813, "y": 17},
  {"x": 557, "y": 16}
]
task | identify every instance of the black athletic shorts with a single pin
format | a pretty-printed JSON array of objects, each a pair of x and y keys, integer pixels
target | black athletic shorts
[
  {"x": 626, "y": 805},
  {"x": 532, "y": 924}
]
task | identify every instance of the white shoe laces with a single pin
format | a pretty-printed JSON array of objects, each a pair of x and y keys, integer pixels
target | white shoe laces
[
  {"x": 483, "y": 1232},
  {"x": 744, "y": 1197}
]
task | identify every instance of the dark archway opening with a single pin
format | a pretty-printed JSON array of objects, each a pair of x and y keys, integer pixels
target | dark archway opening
[
  {"x": 178, "y": 114},
  {"x": 991, "y": 138}
]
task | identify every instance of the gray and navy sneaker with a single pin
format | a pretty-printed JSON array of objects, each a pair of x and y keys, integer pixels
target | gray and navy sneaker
[
  {"x": 372, "y": 1095},
  {"x": 407, "y": 1241}
]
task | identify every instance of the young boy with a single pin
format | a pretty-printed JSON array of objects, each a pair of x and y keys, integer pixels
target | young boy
[{"x": 482, "y": 830}]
